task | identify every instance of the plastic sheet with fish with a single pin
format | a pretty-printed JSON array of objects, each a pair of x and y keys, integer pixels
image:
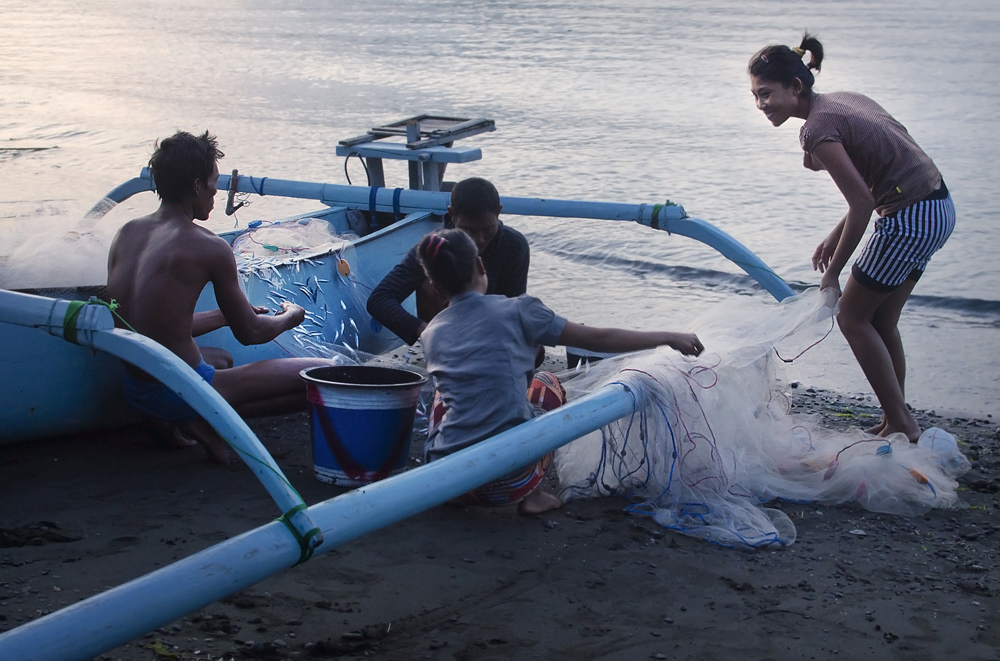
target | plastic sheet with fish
[
  {"x": 286, "y": 240},
  {"x": 712, "y": 440},
  {"x": 302, "y": 261}
]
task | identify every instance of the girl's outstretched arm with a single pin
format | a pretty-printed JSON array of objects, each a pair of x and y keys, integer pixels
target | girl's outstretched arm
[
  {"x": 619, "y": 340},
  {"x": 860, "y": 202}
]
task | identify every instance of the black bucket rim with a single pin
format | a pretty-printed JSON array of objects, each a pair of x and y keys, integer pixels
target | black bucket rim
[{"x": 415, "y": 378}]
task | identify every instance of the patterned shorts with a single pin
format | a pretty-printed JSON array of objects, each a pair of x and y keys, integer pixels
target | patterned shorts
[
  {"x": 903, "y": 243},
  {"x": 545, "y": 394}
]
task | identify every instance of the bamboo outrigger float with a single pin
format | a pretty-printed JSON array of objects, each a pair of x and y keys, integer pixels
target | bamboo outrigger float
[{"x": 37, "y": 326}]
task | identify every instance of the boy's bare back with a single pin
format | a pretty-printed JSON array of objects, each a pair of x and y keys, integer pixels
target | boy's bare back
[{"x": 157, "y": 268}]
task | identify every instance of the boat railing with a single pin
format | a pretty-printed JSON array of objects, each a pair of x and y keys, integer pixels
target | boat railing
[{"x": 667, "y": 216}]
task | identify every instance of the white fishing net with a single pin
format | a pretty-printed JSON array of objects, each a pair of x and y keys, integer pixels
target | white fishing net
[
  {"x": 54, "y": 251},
  {"x": 712, "y": 439}
]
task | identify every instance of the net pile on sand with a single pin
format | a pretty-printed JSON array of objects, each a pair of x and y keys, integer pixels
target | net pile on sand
[{"x": 712, "y": 439}]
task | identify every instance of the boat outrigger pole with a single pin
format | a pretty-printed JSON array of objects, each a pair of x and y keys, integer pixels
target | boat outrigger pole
[
  {"x": 91, "y": 325},
  {"x": 668, "y": 216}
]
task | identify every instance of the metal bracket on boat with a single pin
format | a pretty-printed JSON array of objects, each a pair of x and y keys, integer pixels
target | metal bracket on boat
[{"x": 234, "y": 182}]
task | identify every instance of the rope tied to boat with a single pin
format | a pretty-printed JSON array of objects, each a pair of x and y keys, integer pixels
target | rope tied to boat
[
  {"x": 73, "y": 313},
  {"x": 305, "y": 549}
]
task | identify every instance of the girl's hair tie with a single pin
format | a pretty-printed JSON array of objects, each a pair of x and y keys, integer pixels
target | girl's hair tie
[
  {"x": 799, "y": 51},
  {"x": 434, "y": 245}
]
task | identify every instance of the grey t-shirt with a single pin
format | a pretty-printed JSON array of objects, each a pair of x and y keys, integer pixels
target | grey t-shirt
[{"x": 481, "y": 352}]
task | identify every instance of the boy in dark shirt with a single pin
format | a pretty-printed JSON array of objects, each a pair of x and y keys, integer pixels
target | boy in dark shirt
[{"x": 475, "y": 209}]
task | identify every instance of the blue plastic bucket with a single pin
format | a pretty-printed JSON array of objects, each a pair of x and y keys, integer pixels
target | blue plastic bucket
[{"x": 362, "y": 421}]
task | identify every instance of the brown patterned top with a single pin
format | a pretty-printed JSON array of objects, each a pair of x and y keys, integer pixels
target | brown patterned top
[{"x": 896, "y": 169}]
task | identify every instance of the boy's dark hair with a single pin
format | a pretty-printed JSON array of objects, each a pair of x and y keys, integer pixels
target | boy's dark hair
[
  {"x": 473, "y": 198},
  {"x": 179, "y": 160},
  {"x": 448, "y": 258},
  {"x": 781, "y": 64}
]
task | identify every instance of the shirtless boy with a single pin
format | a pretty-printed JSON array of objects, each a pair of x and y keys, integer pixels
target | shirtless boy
[{"x": 157, "y": 268}]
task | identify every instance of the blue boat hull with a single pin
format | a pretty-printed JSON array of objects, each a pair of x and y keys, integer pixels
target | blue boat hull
[{"x": 52, "y": 387}]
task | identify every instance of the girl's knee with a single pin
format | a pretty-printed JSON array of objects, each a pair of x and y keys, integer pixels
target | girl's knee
[{"x": 850, "y": 322}]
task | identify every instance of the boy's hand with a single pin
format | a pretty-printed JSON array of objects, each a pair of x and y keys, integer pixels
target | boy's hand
[{"x": 293, "y": 311}]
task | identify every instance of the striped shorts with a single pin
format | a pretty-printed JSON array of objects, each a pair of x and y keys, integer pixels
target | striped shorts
[
  {"x": 903, "y": 243},
  {"x": 545, "y": 394}
]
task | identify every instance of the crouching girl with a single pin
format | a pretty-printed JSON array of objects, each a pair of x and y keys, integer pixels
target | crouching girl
[{"x": 481, "y": 352}]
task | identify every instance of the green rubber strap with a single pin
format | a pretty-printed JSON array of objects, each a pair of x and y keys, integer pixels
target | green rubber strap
[
  {"x": 305, "y": 551},
  {"x": 655, "y": 223},
  {"x": 69, "y": 320}
]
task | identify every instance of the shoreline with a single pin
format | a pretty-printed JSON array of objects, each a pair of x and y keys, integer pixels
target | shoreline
[{"x": 584, "y": 581}]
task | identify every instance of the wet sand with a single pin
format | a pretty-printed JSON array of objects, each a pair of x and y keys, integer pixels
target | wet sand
[{"x": 588, "y": 581}]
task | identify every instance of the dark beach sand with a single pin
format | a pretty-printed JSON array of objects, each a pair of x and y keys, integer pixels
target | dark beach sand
[{"x": 584, "y": 582}]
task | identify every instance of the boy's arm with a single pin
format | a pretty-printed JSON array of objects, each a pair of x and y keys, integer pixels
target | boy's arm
[
  {"x": 619, "y": 340},
  {"x": 249, "y": 326},
  {"x": 507, "y": 268},
  {"x": 210, "y": 320},
  {"x": 206, "y": 322},
  {"x": 385, "y": 302}
]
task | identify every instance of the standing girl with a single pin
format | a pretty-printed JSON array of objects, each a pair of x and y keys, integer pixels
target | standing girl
[
  {"x": 481, "y": 352},
  {"x": 878, "y": 167}
]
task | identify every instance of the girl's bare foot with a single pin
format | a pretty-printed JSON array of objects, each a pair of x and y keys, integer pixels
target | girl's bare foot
[
  {"x": 912, "y": 432},
  {"x": 538, "y": 501},
  {"x": 877, "y": 429}
]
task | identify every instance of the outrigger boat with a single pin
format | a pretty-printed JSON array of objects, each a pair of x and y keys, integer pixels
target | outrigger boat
[
  {"x": 75, "y": 354},
  {"x": 73, "y": 389}
]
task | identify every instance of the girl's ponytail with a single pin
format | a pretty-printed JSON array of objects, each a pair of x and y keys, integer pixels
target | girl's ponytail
[{"x": 811, "y": 45}]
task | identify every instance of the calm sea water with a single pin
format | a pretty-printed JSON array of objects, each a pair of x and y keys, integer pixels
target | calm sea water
[{"x": 625, "y": 101}]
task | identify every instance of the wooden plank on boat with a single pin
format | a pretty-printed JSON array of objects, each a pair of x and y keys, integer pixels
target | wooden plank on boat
[
  {"x": 399, "y": 151},
  {"x": 434, "y": 130}
]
